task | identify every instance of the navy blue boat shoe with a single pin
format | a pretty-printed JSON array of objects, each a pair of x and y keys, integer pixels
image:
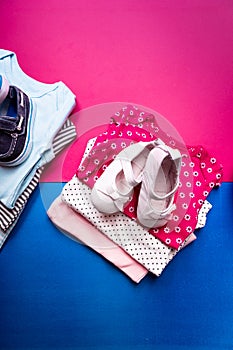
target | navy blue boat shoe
[{"x": 15, "y": 127}]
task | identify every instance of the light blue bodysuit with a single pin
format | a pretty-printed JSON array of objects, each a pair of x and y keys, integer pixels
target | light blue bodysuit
[{"x": 51, "y": 104}]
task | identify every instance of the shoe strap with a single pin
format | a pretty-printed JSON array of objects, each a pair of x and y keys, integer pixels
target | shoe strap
[
  {"x": 155, "y": 214},
  {"x": 126, "y": 164},
  {"x": 176, "y": 157},
  {"x": 121, "y": 198},
  {"x": 8, "y": 123},
  {"x": 156, "y": 196},
  {"x": 128, "y": 173},
  {"x": 174, "y": 153}
]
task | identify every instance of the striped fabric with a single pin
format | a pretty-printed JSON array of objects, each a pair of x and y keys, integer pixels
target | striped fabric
[
  {"x": 65, "y": 136},
  {"x": 8, "y": 217}
]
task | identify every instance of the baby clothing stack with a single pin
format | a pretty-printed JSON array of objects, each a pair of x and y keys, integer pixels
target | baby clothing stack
[
  {"x": 33, "y": 129},
  {"x": 138, "y": 194}
]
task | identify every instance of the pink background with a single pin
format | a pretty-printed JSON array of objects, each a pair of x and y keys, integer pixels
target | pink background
[{"x": 175, "y": 57}]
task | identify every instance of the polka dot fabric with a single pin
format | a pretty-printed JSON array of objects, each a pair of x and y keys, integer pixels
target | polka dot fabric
[
  {"x": 125, "y": 232},
  {"x": 202, "y": 214},
  {"x": 200, "y": 172}
]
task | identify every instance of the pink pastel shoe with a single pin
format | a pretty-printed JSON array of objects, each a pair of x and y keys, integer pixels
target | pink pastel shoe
[
  {"x": 160, "y": 181},
  {"x": 4, "y": 88},
  {"x": 112, "y": 191}
]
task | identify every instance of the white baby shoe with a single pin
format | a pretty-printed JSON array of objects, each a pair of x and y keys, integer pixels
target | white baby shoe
[
  {"x": 113, "y": 189},
  {"x": 160, "y": 181}
]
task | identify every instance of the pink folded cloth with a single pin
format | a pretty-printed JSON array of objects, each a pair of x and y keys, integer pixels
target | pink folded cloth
[{"x": 76, "y": 227}]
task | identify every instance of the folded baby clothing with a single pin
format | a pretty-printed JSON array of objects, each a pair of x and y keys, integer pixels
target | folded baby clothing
[
  {"x": 50, "y": 105},
  {"x": 9, "y": 217},
  {"x": 85, "y": 231},
  {"x": 65, "y": 136},
  {"x": 154, "y": 248},
  {"x": 200, "y": 172},
  {"x": 125, "y": 232},
  {"x": 34, "y": 128}
]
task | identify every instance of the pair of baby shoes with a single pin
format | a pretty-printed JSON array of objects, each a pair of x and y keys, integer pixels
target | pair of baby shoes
[
  {"x": 153, "y": 164},
  {"x": 15, "y": 124}
]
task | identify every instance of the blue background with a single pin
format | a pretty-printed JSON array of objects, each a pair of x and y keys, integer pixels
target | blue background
[{"x": 58, "y": 294}]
